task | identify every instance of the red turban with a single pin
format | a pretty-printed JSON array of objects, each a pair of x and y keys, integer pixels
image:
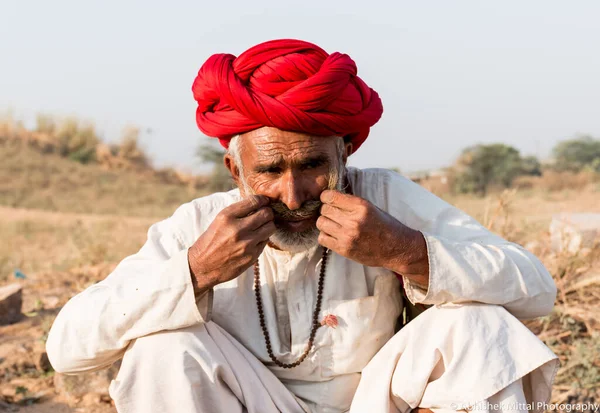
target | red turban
[{"x": 291, "y": 85}]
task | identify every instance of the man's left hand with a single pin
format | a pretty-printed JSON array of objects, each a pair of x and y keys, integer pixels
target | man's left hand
[{"x": 356, "y": 229}]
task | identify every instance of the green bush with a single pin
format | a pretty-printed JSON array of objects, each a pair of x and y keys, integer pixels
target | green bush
[
  {"x": 482, "y": 166},
  {"x": 578, "y": 154},
  {"x": 76, "y": 141}
]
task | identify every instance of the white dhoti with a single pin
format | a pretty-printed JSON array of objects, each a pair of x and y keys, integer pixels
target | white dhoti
[{"x": 448, "y": 358}]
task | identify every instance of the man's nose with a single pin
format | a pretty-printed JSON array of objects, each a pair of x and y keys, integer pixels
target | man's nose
[{"x": 292, "y": 194}]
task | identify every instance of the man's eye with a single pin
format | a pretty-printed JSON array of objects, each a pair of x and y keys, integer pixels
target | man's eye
[
  {"x": 313, "y": 165},
  {"x": 273, "y": 170}
]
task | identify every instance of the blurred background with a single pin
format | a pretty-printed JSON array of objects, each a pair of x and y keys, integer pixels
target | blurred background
[{"x": 495, "y": 107}]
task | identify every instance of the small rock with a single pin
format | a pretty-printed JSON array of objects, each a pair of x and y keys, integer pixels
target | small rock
[
  {"x": 77, "y": 386},
  {"x": 11, "y": 302},
  {"x": 573, "y": 232},
  {"x": 91, "y": 399},
  {"x": 50, "y": 302}
]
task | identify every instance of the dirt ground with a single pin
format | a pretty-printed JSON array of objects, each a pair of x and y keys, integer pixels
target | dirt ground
[
  {"x": 49, "y": 248},
  {"x": 27, "y": 381}
]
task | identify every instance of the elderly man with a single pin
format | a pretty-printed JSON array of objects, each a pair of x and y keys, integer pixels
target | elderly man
[{"x": 286, "y": 294}]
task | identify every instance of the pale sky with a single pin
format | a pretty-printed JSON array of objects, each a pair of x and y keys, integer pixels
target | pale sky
[{"x": 450, "y": 73}]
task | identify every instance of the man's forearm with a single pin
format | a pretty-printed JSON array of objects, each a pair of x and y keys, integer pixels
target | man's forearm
[{"x": 410, "y": 257}]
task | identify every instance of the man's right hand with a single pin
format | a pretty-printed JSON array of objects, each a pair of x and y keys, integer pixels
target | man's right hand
[{"x": 232, "y": 242}]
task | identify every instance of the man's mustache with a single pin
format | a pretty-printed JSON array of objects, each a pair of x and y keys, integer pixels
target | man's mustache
[{"x": 309, "y": 209}]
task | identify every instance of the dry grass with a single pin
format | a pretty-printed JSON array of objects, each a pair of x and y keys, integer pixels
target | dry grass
[
  {"x": 30, "y": 179},
  {"x": 35, "y": 241},
  {"x": 551, "y": 181},
  {"x": 78, "y": 140},
  {"x": 572, "y": 330},
  {"x": 559, "y": 181}
]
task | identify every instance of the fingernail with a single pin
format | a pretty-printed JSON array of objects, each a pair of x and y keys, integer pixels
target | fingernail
[{"x": 327, "y": 196}]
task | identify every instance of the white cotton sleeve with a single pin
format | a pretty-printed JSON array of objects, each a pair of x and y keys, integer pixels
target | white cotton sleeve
[
  {"x": 493, "y": 273},
  {"x": 468, "y": 263},
  {"x": 147, "y": 292}
]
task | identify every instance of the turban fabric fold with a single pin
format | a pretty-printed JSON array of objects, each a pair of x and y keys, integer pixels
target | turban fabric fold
[{"x": 291, "y": 85}]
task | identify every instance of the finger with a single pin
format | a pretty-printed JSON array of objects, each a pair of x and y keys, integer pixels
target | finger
[
  {"x": 331, "y": 211},
  {"x": 258, "y": 219},
  {"x": 327, "y": 241},
  {"x": 246, "y": 206},
  {"x": 264, "y": 232},
  {"x": 260, "y": 247},
  {"x": 340, "y": 200},
  {"x": 328, "y": 226}
]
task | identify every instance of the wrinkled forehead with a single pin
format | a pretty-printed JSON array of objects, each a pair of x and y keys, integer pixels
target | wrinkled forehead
[{"x": 270, "y": 143}]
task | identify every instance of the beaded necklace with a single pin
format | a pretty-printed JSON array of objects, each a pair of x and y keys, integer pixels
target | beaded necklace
[{"x": 315, "y": 321}]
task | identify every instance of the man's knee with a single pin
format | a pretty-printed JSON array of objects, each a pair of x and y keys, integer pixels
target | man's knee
[
  {"x": 167, "y": 348},
  {"x": 169, "y": 368},
  {"x": 465, "y": 324}
]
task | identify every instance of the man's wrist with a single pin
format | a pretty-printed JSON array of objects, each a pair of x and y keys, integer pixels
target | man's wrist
[
  {"x": 200, "y": 281},
  {"x": 410, "y": 258}
]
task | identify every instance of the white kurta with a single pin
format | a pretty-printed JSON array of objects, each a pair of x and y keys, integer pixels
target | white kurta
[{"x": 151, "y": 291}]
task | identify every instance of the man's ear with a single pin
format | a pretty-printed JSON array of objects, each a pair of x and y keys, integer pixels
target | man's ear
[
  {"x": 232, "y": 167},
  {"x": 347, "y": 151}
]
